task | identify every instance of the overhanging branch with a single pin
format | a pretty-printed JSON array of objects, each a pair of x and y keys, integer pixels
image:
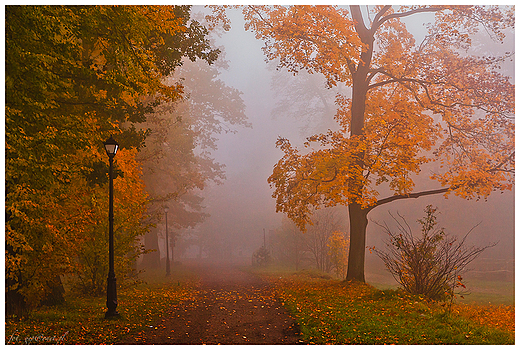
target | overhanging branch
[{"x": 409, "y": 195}]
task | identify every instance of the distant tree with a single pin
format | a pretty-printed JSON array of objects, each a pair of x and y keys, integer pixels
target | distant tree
[
  {"x": 411, "y": 103},
  {"x": 261, "y": 257},
  {"x": 317, "y": 237},
  {"x": 303, "y": 97},
  {"x": 338, "y": 252},
  {"x": 288, "y": 246},
  {"x": 311, "y": 248},
  {"x": 177, "y": 159},
  {"x": 431, "y": 264}
]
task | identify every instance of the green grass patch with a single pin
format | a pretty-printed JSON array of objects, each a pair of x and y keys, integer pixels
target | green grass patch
[
  {"x": 479, "y": 291},
  {"x": 335, "y": 312},
  {"x": 80, "y": 320}
]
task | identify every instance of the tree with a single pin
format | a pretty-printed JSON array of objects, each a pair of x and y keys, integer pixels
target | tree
[
  {"x": 338, "y": 252},
  {"x": 261, "y": 257},
  {"x": 317, "y": 237},
  {"x": 75, "y": 75},
  {"x": 303, "y": 97},
  {"x": 287, "y": 244},
  {"x": 177, "y": 158},
  {"x": 411, "y": 103},
  {"x": 311, "y": 249}
]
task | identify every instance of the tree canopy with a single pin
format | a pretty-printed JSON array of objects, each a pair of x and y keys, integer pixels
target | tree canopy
[{"x": 74, "y": 76}]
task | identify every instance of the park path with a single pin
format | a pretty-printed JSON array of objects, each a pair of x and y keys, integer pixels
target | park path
[{"x": 230, "y": 306}]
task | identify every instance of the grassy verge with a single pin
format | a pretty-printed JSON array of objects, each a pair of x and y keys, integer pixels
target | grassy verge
[
  {"x": 479, "y": 291},
  {"x": 81, "y": 319},
  {"x": 334, "y": 312}
]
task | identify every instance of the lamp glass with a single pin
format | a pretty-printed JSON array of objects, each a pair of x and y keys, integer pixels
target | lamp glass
[{"x": 111, "y": 146}]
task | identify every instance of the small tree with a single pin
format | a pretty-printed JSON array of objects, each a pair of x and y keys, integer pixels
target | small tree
[
  {"x": 261, "y": 257},
  {"x": 338, "y": 252},
  {"x": 430, "y": 265},
  {"x": 316, "y": 240}
]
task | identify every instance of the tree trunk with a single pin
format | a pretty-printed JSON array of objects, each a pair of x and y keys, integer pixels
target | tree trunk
[
  {"x": 152, "y": 259},
  {"x": 357, "y": 215},
  {"x": 358, "y": 228},
  {"x": 14, "y": 300},
  {"x": 56, "y": 294}
]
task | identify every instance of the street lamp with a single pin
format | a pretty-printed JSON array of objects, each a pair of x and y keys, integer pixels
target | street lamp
[
  {"x": 111, "y": 146},
  {"x": 167, "y": 250}
]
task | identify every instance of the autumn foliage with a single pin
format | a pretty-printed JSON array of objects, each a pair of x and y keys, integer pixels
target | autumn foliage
[
  {"x": 338, "y": 252},
  {"x": 408, "y": 104},
  {"x": 74, "y": 76}
]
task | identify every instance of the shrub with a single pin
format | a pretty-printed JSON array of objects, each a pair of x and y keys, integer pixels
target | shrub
[
  {"x": 261, "y": 257},
  {"x": 430, "y": 265},
  {"x": 338, "y": 252}
]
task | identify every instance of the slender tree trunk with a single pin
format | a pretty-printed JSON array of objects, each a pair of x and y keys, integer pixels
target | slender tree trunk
[
  {"x": 14, "y": 300},
  {"x": 151, "y": 260},
  {"x": 358, "y": 230}
]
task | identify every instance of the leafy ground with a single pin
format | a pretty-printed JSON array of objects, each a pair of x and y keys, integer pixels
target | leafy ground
[
  {"x": 81, "y": 319},
  {"x": 335, "y": 312},
  {"x": 228, "y": 306},
  {"x": 327, "y": 311}
]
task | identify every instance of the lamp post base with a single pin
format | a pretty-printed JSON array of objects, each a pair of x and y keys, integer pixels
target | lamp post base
[
  {"x": 112, "y": 314},
  {"x": 111, "y": 297}
]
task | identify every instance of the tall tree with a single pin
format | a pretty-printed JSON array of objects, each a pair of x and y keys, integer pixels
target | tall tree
[
  {"x": 411, "y": 103},
  {"x": 75, "y": 75},
  {"x": 177, "y": 158}
]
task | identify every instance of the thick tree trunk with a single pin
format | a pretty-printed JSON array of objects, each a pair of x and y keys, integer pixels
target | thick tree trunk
[
  {"x": 358, "y": 228},
  {"x": 357, "y": 215},
  {"x": 56, "y": 294},
  {"x": 14, "y": 300}
]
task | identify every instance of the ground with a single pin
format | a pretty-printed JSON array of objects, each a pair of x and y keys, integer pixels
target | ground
[{"x": 229, "y": 306}]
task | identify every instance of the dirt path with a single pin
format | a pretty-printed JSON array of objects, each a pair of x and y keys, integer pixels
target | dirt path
[{"x": 229, "y": 307}]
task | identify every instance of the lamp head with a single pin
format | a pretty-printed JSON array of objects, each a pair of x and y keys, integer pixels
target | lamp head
[{"x": 111, "y": 147}]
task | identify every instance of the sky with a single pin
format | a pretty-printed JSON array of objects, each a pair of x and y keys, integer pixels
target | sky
[{"x": 242, "y": 207}]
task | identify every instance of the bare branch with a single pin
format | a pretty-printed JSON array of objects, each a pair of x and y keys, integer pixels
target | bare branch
[
  {"x": 377, "y": 24},
  {"x": 261, "y": 17}
]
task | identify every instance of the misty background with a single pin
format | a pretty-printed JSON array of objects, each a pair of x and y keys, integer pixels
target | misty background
[{"x": 241, "y": 209}]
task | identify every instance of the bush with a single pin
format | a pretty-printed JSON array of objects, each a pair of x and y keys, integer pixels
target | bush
[
  {"x": 430, "y": 265},
  {"x": 338, "y": 252},
  {"x": 261, "y": 257}
]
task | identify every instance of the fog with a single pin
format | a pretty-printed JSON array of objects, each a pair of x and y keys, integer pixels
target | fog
[{"x": 242, "y": 209}]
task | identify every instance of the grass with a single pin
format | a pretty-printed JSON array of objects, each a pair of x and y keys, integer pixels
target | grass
[
  {"x": 490, "y": 292},
  {"x": 479, "y": 291},
  {"x": 335, "y": 312},
  {"x": 80, "y": 320}
]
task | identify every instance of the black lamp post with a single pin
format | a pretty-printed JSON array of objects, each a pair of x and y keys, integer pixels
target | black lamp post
[
  {"x": 167, "y": 248},
  {"x": 111, "y": 146}
]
